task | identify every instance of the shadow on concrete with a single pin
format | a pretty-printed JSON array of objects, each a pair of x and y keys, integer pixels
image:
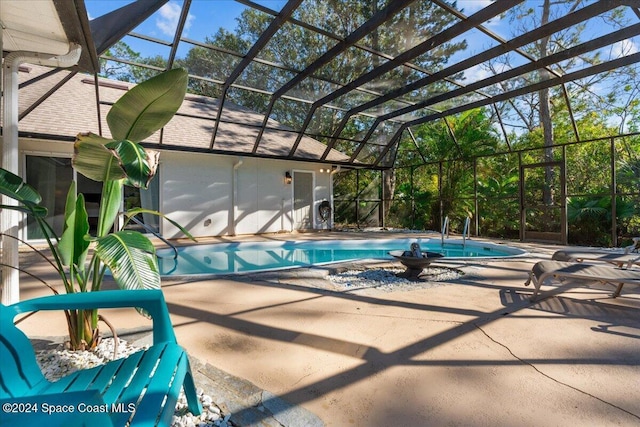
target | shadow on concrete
[{"x": 375, "y": 361}]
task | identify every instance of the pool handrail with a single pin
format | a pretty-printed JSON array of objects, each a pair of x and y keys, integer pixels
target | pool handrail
[
  {"x": 445, "y": 229},
  {"x": 465, "y": 230}
]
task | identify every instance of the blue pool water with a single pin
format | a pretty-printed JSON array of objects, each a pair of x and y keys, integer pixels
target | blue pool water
[{"x": 238, "y": 258}]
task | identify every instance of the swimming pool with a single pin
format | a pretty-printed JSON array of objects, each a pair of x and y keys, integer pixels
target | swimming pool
[{"x": 239, "y": 258}]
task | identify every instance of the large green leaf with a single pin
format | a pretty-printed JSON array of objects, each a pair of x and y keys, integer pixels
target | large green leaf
[
  {"x": 13, "y": 186},
  {"x": 625, "y": 209},
  {"x": 131, "y": 257},
  {"x": 73, "y": 247},
  {"x": 136, "y": 211},
  {"x": 110, "y": 203},
  {"x": 139, "y": 164},
  {"x": 147, "y": 107},
  {"x": 585, "y": 209},
  {"x": 33, "y": 210},
  {"x": 95, "y": 161}
]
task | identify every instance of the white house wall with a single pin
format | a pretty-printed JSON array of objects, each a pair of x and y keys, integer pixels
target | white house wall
[
  {"x": 197, "y": 191},
  {"x": 261, "y": 189}
]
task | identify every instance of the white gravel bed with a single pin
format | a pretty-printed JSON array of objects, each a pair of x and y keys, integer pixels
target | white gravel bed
[
  {"x": 386, "y": 280},
  {"x": 59, "y": 362}
]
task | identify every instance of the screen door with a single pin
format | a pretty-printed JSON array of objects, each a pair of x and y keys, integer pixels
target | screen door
[{"x": 302, "y": 200}]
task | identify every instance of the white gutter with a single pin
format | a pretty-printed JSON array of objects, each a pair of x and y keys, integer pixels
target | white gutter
[
  {"x": 9, "y": 219},
  {"x": 234, "y": 197}
]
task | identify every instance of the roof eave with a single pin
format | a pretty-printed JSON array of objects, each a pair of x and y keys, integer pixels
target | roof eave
[{"x": 74, "y": 20}]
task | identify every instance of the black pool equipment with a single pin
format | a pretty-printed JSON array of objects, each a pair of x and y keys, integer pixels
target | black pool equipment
[{"x": 324, "y": 209}]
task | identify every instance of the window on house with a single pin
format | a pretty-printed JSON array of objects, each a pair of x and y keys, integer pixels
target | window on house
[{"x": 51, "y": 176}]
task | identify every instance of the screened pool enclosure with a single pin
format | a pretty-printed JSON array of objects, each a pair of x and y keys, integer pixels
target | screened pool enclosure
[
  {"x": 523, "y": 115},
  {"x": 596, "y": 200}
]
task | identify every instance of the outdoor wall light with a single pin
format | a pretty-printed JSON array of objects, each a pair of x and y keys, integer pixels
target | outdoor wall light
[{"x": 287, "y": 178}]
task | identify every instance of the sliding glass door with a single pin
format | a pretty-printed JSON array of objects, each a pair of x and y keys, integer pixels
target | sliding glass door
[
  {"x": 52, "y": 176},
  {"x": 146, "y": 199}
]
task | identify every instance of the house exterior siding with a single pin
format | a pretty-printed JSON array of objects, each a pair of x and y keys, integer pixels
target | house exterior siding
[{"x": 208, "y": 196}]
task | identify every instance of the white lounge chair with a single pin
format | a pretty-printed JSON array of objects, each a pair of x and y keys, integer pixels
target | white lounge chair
[
  {"x": 602, "y": 273},
  {"x": 634, "y": 247},
  {"x": 580, "y": 255}
]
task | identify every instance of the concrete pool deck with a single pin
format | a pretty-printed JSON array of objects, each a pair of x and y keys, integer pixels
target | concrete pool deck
[{"x": 473, "y": 351}]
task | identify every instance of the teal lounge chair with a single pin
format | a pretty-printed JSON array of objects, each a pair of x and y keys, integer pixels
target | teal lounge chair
[{"x": 141, "y": 389}]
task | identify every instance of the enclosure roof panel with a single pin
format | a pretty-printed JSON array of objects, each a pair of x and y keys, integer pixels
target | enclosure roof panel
[
  {"x": 310, "y": 79},
  {"x": 190, "y": 129}
]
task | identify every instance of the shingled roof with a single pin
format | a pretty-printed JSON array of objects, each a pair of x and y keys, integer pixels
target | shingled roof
[{"x": 72, "y": 109}]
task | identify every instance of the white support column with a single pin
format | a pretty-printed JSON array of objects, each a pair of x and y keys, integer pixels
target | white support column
[{"x": 9, "y": 219}]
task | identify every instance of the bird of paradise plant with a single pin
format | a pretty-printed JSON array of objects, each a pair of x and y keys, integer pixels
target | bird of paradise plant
[{"x": 129, "y": 255}]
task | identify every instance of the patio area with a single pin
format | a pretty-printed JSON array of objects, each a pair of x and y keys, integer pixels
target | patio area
[
  {"x": 271, "y": 120},
  {"x": 473, "y": 351}
]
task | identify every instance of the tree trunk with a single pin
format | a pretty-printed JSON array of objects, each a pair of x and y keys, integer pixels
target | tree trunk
[
  {"x": 388, "y": 189},
  {"x": 389, "y": 176}
]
